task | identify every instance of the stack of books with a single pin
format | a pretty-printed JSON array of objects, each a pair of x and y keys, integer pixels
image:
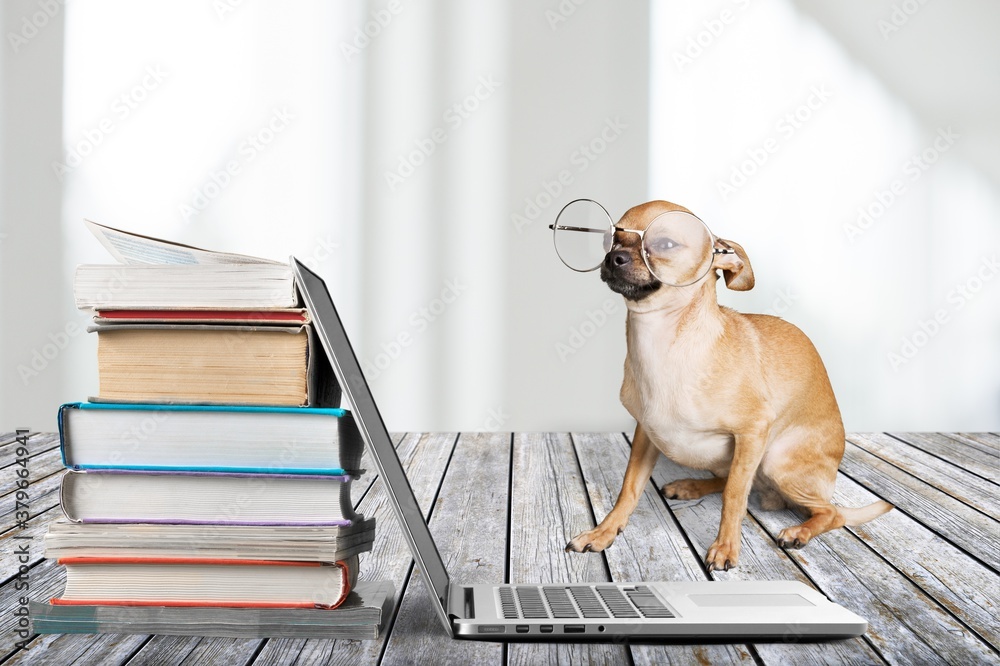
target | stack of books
[{"x": 209, "y": 482}]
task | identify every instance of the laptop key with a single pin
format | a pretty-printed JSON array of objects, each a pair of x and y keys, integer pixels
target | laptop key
[
  {"x": 648, "y": 604},
  {"x": 507, "y": 604},
  {"x": 559, "y": 603},
  {"x": 590, "y": 606},
  {"x": 532, "y": 606},
  {"x": 616, "y": 602}
]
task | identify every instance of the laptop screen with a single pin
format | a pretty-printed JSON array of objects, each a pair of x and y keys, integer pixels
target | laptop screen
[{"x": 333, "y": 337}]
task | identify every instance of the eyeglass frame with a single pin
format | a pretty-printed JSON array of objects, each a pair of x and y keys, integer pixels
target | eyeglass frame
[{"x": 555, "y": 226}]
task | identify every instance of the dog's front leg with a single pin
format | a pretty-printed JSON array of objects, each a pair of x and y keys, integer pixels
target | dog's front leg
[
  {"x": 747, "y": 453},
  {"x": 640, "y": 468}
]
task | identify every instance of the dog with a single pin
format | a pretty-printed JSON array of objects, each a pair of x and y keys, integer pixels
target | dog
[{"x": 744, "y": 396}]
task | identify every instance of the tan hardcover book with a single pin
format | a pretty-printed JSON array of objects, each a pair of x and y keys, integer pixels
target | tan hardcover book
[{"x": 213, "y": 364}]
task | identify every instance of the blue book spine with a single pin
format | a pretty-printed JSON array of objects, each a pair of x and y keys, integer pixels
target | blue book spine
[{"x": 114, "y": 406}]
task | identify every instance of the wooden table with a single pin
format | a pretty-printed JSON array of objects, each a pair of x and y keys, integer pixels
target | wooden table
[{"x": 503, "y": 506}]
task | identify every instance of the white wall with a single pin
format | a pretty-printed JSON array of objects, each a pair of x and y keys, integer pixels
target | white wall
[
  {"x": 778, "y": 134},
  {"x": 35, "y": 309},
  {"x": 522, "y": 344}
]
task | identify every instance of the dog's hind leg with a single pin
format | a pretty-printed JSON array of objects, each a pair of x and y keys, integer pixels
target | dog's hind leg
[
  {"x": 822, "y": 518},
  {"x": 690, "y": 489}
]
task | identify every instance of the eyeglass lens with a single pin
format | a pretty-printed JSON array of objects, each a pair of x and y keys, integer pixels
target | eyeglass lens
[
  {"x": 582, "y": 234},
  {"x": 678, "y": 248}
]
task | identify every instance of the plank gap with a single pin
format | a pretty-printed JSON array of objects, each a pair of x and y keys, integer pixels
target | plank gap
[
  {"x": 948, "y": 480},
  {"x": 593, "y": 514},
  {"x": 916, "y": 518},
  {"x": 928, "y": 593}
]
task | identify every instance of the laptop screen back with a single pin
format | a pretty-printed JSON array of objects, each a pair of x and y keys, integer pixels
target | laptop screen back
[{"x": 333, "y": 337}]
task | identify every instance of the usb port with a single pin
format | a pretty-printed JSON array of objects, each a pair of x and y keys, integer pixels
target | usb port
[
  {"x": 521, "y": 628},
  {"x": 545, "y": 628},
  {"x": 574, "y": 629}
]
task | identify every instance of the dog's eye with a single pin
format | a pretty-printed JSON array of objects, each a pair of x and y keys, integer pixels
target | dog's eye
[{"x": 661, "y": 245}]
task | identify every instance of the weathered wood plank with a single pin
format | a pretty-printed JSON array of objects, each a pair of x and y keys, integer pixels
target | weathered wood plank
[
  {"x": 228, "y": 651},
  {"x": 92, "y": 650},
  {"x": 80, "y": 650},
  {"x": 28, "y": 541},
  {"x": 963, "y": 526},
  {"x": 967, "y": 454},
  {"x": 178, "y": 650},
  {"x": 469, "y": 524},
  {"x": 44, "y": 496},
  {"x": 965, "y": 487},
  {"x": 988, "y": 439},
  {"x": 549, "y": 506},
  {"x": 905, "y": 624},
  {"x": 38, "y": 443},
  {"x": 652, "y": 548},
  {"x": 40, "y": 466},
  {"x": 9, "y": 437},
  {"x": 164, "y": 650},
  {"x": 761, "y": 559},
  {"x": 424, "y": 458},
  {"x": 958, "y": 582}
]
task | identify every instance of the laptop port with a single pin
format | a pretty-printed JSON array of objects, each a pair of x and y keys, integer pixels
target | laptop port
[
  {"x": 521, "y": 628},
  {"x": 545, "y": 628},
  {"x": 574, "y": 629}
]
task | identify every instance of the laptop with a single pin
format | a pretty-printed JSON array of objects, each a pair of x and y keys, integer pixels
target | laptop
[{"x": 697, "y": 611}]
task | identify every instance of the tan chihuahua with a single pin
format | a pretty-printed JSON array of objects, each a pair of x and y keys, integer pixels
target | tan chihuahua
[{"x": 744, "y": 396}]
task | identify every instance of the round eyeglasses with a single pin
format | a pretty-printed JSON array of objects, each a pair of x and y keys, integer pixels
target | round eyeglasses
[{"x": 677, "y": 247}]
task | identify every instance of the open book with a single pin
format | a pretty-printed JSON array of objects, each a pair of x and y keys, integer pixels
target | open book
[{"x": 156, "y": 274}]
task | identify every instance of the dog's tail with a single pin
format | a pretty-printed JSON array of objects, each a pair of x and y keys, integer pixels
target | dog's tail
[{"x": 856, "y": 515}]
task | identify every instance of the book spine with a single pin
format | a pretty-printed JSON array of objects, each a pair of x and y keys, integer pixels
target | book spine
[
  {"x": 55, "y": 601},
  {"x": 229, "y": 471},
  {"x": 61, "y": 419}
]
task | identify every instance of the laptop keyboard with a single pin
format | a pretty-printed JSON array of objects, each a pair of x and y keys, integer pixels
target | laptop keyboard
[{"x": 532, "y": 602}]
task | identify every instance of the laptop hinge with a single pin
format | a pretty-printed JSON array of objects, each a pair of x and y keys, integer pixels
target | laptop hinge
[{"x": 461, "y": 602}]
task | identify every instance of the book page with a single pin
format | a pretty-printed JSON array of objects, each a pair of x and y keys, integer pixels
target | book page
[{"x": 130, "y": 248}]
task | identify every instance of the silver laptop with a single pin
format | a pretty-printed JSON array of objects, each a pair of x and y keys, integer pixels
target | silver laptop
[{"x": 680, "y": 611}]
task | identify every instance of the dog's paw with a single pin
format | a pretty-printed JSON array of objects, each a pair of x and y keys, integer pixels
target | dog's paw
[
  {"x": 594, "y": 540},
  {"x": 723, "y": 556},
  {"x": 794, "y": 537},
  {"x": 687, "y": 489}
]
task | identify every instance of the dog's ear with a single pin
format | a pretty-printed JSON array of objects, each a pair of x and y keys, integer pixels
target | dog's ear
[{"x": 735, "y": 265}]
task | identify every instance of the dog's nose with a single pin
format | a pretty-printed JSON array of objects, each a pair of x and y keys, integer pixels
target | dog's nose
[{"x": 618, "y": 258}]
